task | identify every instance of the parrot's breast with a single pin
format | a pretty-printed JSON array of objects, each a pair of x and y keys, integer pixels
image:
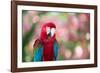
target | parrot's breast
[{"x": 48, "y": 50}]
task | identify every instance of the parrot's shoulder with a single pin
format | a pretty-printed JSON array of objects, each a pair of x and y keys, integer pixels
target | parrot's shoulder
[
  {"x": 56, "y": 43},
  {"x": 37, "y": 43}
]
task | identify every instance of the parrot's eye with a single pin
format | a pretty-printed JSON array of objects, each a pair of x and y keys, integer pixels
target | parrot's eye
[
  {"x": 48, "y": 30},
  {"x": 52, "y": 31}
]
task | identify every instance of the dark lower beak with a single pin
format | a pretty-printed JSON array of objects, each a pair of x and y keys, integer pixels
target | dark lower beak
[{"x": 49, "y": 34}]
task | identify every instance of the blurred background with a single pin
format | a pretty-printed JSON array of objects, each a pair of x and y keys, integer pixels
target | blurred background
[{"x": 72, "y": 33}]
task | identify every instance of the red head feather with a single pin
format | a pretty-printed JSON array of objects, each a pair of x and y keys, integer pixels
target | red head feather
[{"x": 43, "y": 35}]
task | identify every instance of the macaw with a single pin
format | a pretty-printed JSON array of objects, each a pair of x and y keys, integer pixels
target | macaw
[{"x": 46, "y": 46}]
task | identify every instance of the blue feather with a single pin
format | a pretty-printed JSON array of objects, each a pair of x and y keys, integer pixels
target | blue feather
[
  {"x": 55, "y": 50},
  {"x": 38, "y": 54}
]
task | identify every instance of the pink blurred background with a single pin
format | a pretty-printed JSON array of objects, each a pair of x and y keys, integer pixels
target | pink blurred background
[{"x": 72, "y": 33}]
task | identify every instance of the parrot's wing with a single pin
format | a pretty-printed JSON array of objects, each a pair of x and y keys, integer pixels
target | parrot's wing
[
  {"x": 38, "y": 50},
  {"x": 56, "y": 50}
]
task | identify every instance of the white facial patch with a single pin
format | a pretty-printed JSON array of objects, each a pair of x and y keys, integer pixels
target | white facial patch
[
  {"x": 48, "y": 30},
  {"x": 52, "y": 31}
]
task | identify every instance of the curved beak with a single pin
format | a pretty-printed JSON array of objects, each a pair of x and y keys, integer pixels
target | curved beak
[{"x": 49, "y": 34}]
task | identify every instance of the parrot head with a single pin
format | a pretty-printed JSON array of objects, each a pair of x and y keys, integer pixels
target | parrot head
[{"x": 48, "y": 31}]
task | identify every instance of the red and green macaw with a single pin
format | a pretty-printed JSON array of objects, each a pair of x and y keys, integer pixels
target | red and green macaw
[{"x": 46, "y": 46}]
